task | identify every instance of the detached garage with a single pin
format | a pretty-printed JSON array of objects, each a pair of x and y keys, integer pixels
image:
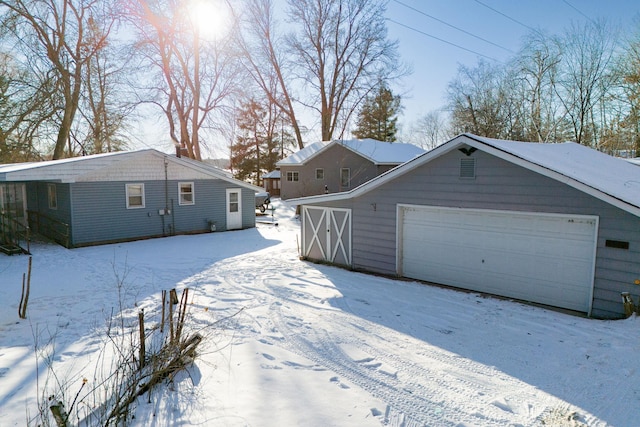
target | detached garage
[{"x": 555, "y": 224}]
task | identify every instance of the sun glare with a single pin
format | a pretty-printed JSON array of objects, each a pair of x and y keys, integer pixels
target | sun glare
[{"x": 210, "y": 17}]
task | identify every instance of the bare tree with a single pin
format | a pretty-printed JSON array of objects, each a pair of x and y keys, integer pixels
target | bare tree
[
  {"x": 195, "y": 77},
  {"x": 536, "y": 69},
  {"x": 478, "y": 101},
  {"x": 585, "y": 80},
  {"x": 267, "y": 62},
  {"x": 429, "y": 131},
  {"x": 54, "y": 33},
  {"x": 335, "y": 54}
]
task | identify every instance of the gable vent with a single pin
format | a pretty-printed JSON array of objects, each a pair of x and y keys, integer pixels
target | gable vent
[{"x": 468, "y": 168}]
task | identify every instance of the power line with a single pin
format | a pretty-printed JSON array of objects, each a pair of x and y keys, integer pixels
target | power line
[
  {"x": 577, "y": 10},
  {"x": 441, "y": 40},
  {"x": 506, "y": 16},
  {"x": 453, "y": 26}
]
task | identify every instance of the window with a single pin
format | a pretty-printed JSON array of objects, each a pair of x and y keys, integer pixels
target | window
[
  {"x": 468, "y": 168},
  {"x": 234, "y": 206},
  {"x": 319, "y": 173},
  {"x": 292, "y": 176},
  {"x": 345, "y": 177},
  {"x": 135, "y": 196},
  {"x": 185, "y": 189},
  {"x": 52, "y": 196}
]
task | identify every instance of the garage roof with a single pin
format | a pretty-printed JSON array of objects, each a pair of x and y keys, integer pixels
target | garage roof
[
  {"x": 378, "y": 152},
  {"x": 611, "y": 179}
]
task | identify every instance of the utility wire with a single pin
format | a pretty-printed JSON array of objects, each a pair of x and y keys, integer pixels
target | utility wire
[
  {"x": 578, "y": 10},
  {"x": 441, "y": 40},
  {"x": 507, "y": 16},
  {"x": 452, "y": 26}
]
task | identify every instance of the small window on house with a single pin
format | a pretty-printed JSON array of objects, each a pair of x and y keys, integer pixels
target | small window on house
[
  {"x": 468, "y": 168},
  {"x": 319, "y": 173},
  {"x": 52, "y": 195},
  {"x": 292, "y": 176},
  {"x": 345, "y": 177},
  {"x": 135, "y": 196},
  {"x": 234, "y": 205},
  {"x": 186, "y": 193}
]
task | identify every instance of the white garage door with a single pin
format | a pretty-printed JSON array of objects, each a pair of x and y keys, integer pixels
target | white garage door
[{"x": 544, "y": 258}]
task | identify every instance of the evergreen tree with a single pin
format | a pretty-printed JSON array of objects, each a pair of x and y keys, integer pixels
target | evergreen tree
[
  {"x": 263, "y": 140},
  {"x": 246, "y": 153},
  {"x": 378, "y": 116}
]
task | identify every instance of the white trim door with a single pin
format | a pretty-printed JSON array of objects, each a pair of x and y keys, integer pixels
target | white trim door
[
  {"x": 538, "y": 257},
  {"x": 326, "y": 234},
  {"x": 234, "y": 208}
]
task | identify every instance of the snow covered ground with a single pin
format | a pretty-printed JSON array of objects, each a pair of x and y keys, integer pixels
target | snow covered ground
[{"x": 292, "y": 343}]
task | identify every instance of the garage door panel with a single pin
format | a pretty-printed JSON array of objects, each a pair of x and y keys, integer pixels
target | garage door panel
[
  {"x": 532, "y": 256},
  {"x": 326, "y": 234}
]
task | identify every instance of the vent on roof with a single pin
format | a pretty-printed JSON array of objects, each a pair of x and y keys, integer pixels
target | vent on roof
[{"x": 468, "y": 168}]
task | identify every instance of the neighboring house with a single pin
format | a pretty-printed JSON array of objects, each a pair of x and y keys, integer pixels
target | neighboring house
[
  {"x": 555, "y": 224},
  {"x": 339, "y": 165},
  {"x": 271, "y": 182},
  {"x": 124, "y": 196}
]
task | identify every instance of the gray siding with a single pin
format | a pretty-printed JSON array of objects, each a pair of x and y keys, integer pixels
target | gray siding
[
  {"x": 498, "y": 185},
  {"x": 331, "y": 160},
  {"x": 100, "y": 214}
]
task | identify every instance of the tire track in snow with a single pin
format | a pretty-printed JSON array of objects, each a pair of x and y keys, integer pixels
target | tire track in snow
[
  {"x": 411, "y": 402},
  {"x": 432, "y": 387}
]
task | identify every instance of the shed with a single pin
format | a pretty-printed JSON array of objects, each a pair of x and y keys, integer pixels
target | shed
[
  {"x": 271, "y": 182},
  {"x": 123, "y": 196},
  {"x": 555, "y": 224},
  {"x": 339, "y": 165}
]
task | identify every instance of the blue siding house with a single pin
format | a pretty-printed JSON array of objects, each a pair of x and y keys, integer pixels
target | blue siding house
[
  {"x": 124, "y": 196},
  {"x": 553, "y": 224}
]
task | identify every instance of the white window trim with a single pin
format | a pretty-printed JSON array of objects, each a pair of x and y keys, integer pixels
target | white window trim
[
  {"x": 127, "y": 186},
  {"x": 320, "y": 170},
  {"x": 348, "y": 184},
  {"x": 292, "y": 174},
  {"x": 180, "y": 194},
  {"x": 52, "y": 189}
]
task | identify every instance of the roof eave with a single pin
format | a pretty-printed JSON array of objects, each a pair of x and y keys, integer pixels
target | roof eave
[{"x": 467, "y": 139}]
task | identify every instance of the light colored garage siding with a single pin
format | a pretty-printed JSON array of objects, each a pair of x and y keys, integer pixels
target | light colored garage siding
[{"x": 498, "y": 185}]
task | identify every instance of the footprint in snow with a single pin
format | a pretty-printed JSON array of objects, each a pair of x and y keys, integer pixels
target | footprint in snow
[{"x": 340, "y": 384}]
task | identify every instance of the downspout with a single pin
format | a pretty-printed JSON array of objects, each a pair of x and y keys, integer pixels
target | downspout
[{"x": 166, "y": 195}]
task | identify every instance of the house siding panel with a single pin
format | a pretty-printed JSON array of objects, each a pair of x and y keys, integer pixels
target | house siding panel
[
  {"x": 331, "y": 160},
  {"x": 114, "y": 222},
  {"x": 504, "y": 186}
]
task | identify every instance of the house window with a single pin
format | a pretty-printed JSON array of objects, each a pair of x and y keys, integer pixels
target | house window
[
  {"x": 52, "y": 196},
  {"x": 319, "y": 173},
  {"x": 135, "y": 196},
  {"x": 234, "y": 204},
  {"x": 186, "y": 193},
  {"x": 345, "y": 177},
  {"x": 468, "y": 168},
  {"x": 292, "y": 176}
]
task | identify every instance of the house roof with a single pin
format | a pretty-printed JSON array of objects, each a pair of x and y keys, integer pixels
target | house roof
[
  {"x": 86, "y": 168},
  {"x": 272, "y": 175},
  {"x": 378, "y": 152},
  {"x": 611, "y": 179}
]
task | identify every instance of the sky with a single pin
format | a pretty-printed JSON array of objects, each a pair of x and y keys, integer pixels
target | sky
[
  {"x": 293, "y": 343},
  {"x": 436, "y": 36},
  {"x": 487, "y": 29}
]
